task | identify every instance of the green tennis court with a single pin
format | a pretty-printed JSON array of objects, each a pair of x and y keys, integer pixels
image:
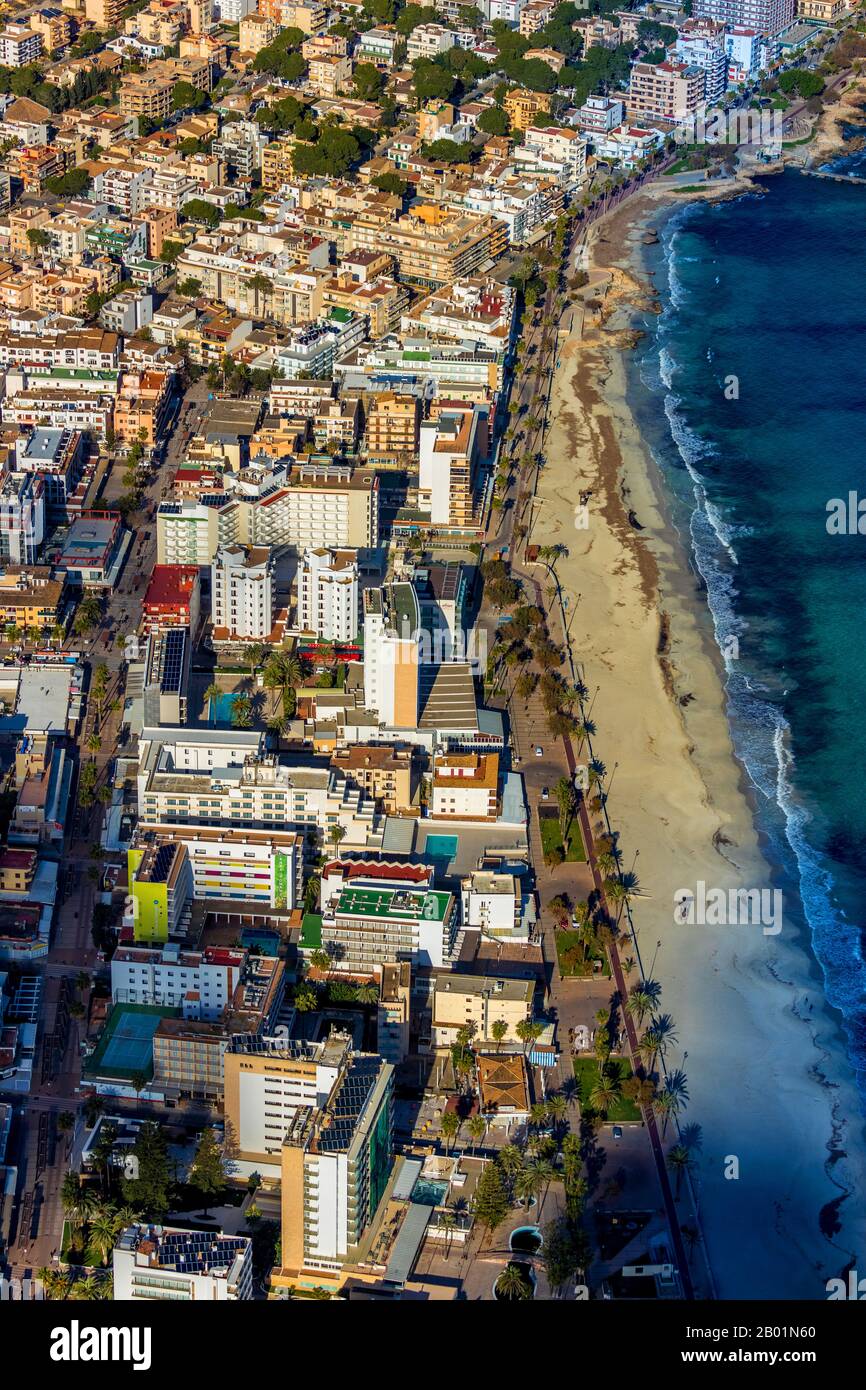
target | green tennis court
[
  {"x": 125, "y": 1047},
  {"x": 131, "y": 1044}
]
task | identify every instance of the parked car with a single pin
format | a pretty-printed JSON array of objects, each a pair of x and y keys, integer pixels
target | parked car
[
  {"x": 545, "y": 793},
  {"x": 617, "y": 1131},
  {"x": 539, "y": 752}
]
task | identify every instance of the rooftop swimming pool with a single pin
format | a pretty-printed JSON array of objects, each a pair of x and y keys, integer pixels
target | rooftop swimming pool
[{"x": 441, "y": 847}]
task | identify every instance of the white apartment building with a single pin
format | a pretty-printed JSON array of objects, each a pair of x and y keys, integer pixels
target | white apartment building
[
  {"x": 428, "y": 41},
  {"x": 490, "y": 902},
  {"x": 310, "y": 507},
  {"x": 242, "y": 593},
  {"x": 260, "y": 868},
  {"x": 375, "y": 914},
  {"x": 240, "y": 146},
  {"x": 336, "y": 1163},
  {"x": 628, "y": 145},
  {"x": 767, "y": 16},
  {"x": 701, "y": 44},
  {"x": 329, "y": 594},
  {"x": 392, "y": 654},
  {"x": 181, "y": 781},
  {"x": 377, "y": 46},
  {"x": 124, "y": 189},
  {"x": 22, "y": 517},
  {"x": 267, "y": 1080},
  {"x": 199, "y": 983},
  {"x": 600, "y": 114},
  {"x": 465, "y": 786},
  {"x": 233, "y": 11},
  {"x": 560, "y": 152},
  {"x": 19, "y": 46},
  {"x": 169, "y": 189},
  {"x": 743, "y": 51},
  {"x": 524, "y": 201},
  {"x": 190, "y": 533},
  {"x": 158, "y": 1262}
]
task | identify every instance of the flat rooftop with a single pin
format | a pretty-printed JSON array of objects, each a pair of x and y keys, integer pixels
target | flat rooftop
[{"x": 396, "y": 903}]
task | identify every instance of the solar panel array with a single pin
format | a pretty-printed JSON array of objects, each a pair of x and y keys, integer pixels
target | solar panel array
[
  {"x": 347, "y": 1105},
  {"x": 197, "y": 1252},
  {"x": 174, "y": 642}
]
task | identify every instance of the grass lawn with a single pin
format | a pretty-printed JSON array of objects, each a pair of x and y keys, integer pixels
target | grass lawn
[
  {"x": 586, "y": 1072},
  {"x": 551, "y": 836},
  {"x": 569, "y": 941}
]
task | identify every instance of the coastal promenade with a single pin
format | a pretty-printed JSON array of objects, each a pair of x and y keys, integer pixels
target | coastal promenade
[{"x": 501, "y": 540}]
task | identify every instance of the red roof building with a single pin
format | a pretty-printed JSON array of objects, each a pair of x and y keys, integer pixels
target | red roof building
[{"x": 172, "y": 598}]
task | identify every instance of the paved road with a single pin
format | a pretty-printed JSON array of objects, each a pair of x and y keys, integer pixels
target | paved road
[{"x": 38, "y": 1219}]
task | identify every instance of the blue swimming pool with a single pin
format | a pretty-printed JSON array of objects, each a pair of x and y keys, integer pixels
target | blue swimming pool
[
  {"x": 441, "y": 847},
  {"x": 220, "y": 711}
]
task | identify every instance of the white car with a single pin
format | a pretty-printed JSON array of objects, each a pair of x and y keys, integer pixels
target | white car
[{"x": 539, "y": 752}]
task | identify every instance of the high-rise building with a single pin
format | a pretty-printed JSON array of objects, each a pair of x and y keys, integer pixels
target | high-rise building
[
  {"x": 267, "y": 1079},
  {"x": 329, "y": 594},
  {"x": 452, "y": 441},
  {"x": 392, "y": 654},
  {"x": 375, "y": 914},
  {"x": 767, "y": 16},
  {"x": 701, "y": 44},
  {"x": 242, "y": 593},
  {"x": 667, "y": 91},
  {"x": 336, "y": 1162}
]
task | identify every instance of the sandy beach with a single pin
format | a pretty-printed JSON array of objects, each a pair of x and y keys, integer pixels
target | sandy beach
[{"x": 768, "y": 1079}]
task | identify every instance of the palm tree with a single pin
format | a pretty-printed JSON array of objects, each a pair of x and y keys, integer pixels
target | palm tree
[
  {"x": 557, "y": 1105},
  {"x": 450, "y": 1125},
  {"x": 79, "y": 1203},
  {"x": 649, "y": 1047},
  {"x": 679, "y": 1162},
  {"x": 499, "y": 1031},
  {"x": 528, "y": 1183},
  {"x": 282, "y": 672},
  {"x": 477, "y": 1128},
  {"x": 242, "y": 711},
  {"x": 336, "y": 833},
  {"x": 639, "y": 1003},
  {"x": 447, "y": 1222},
  {"x": 672, "y": 1098},
  {"x": 321, "y": 960},
  {"x": 94, "y": 743},
  {"x": 621, "y": 890},
  {"x": 511, "y": 1163},
  {"x": 664, "y": 1029},
  {"x": 604, "y": 1094},
  {"x": 212, "y": 698},
  {"x": 103, "y": 1233},
  {"x": 367, "y": 994},
  {"x": 255, "y": 655},
  {"x": 512, "y": 1283}
]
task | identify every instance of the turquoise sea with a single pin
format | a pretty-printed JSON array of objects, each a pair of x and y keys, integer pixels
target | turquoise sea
[{"x": 751, "y": 391}]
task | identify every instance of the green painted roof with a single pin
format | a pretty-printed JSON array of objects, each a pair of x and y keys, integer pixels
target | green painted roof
[{"x": 397, "y": 903}]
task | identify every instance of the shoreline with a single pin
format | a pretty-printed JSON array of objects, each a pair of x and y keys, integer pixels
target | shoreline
[{"x": 640, "y": 627}]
